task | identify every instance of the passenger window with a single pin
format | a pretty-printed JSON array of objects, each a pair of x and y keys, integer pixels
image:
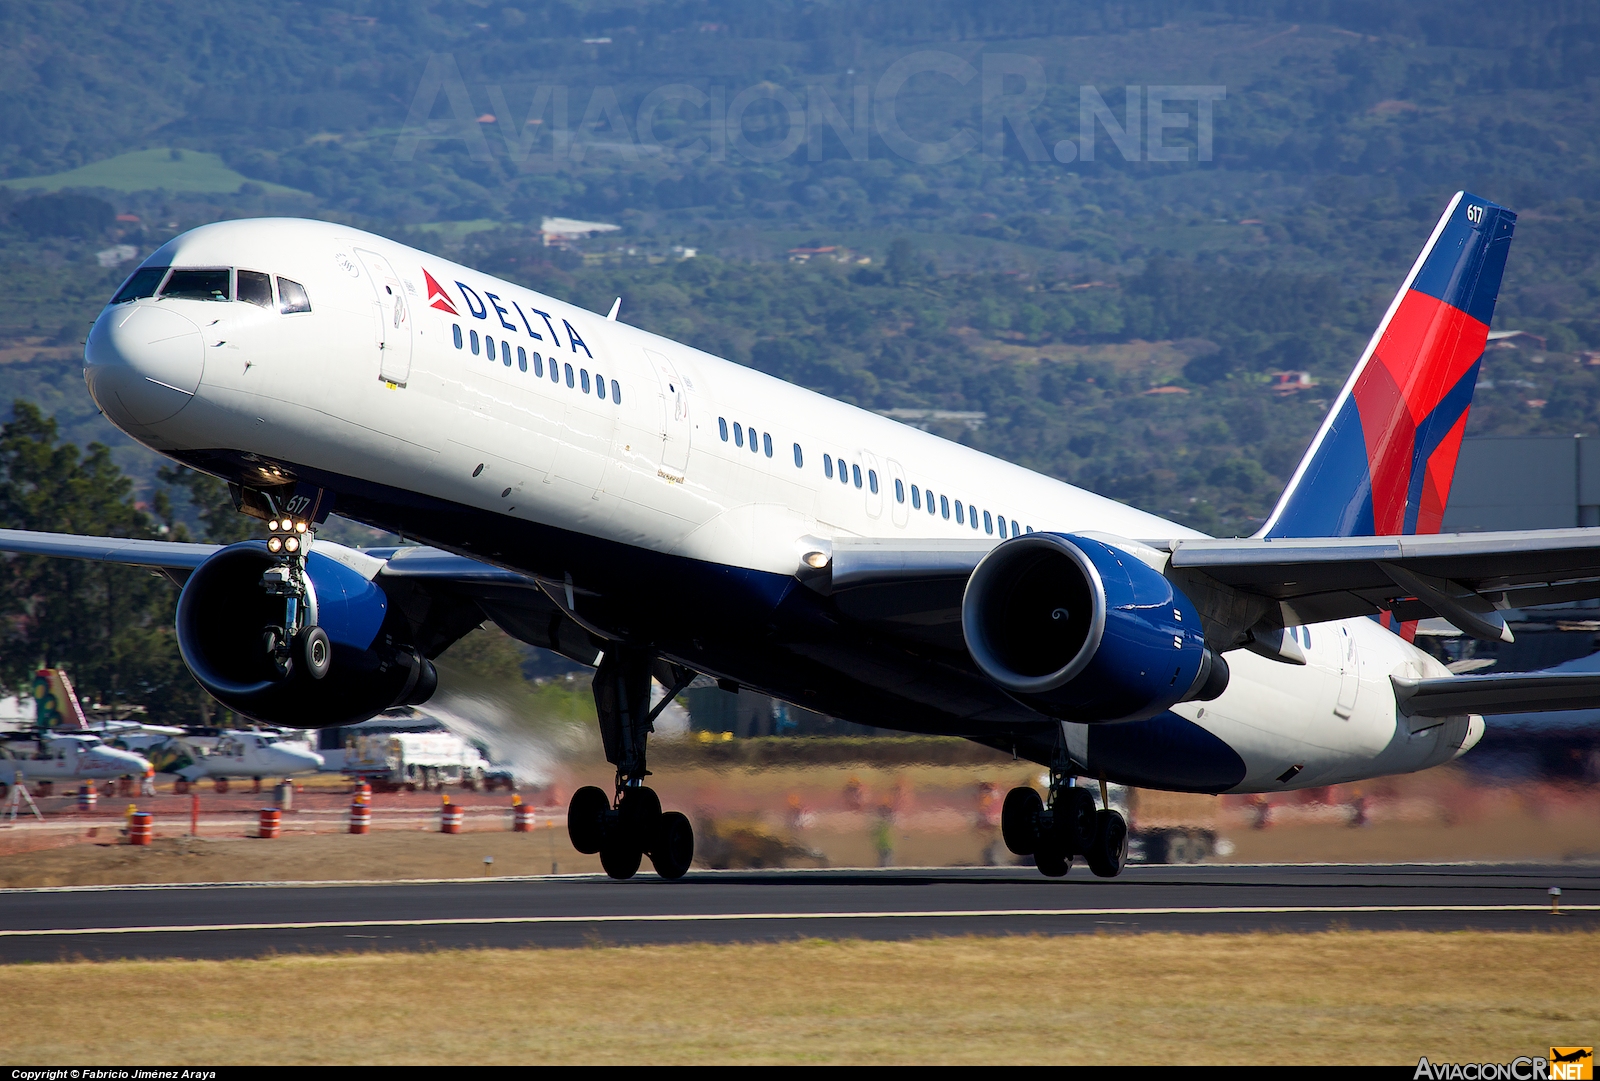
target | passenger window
[
  {"x": 755, "y": 448},
  {"x": 616, "y": 392},
  {"x": 1307, "y": 632},
  {"x": 827, "y": 466},
  {"x": 600, "y": 385},
  {"x": 254, "y": 287},
  {"x": 456, "y": 327},
  {"x": 872, "y": 480},
  {"x": 488, "y": 347},
  {"x": 476, "y": 347},
  {"x": 722, "y": 428},
  {"x": 959, "y": 511},
  {"x": 855, "y": 471},
  {"x": 505, "y": 353},
  {"x": 522, "y": 359},
  {"x": 197, "y": 285},
  {"x": 292, "y": 297},
  {"x": 988, "y": 523},
  {"x": 899, "y": 491},
  {"x": 916, "y": 498},
  {"x": 583, "y": 378},
  {"x": 766, "y": 443},
  {"x": 738, "y": 434},
  {"x": 799, "y": 460},
  {"x": 1030, "y": 529},
  {"x": 571, "y": 382},
  {"x": 844, "y": 472},
  {"x": 972, "y": 517},
  {"x": 555, "y": 370},
  {"x": 944, "y": 505},
  {"x": 1002, "y": 520},
  {"x": 142, "y": 283}
]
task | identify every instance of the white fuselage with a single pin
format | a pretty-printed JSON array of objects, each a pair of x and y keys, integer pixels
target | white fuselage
[{"x": 368, "y": 387}]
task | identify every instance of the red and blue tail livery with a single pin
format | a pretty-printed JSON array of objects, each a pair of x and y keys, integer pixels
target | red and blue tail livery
[{"x": 1384, "y": 459}]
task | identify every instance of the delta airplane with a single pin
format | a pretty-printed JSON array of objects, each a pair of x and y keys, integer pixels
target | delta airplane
[{"x": 632, "y": 502}]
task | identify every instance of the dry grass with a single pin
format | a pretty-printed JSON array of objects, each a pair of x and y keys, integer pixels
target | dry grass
[{"x": 1338, "y": 997}]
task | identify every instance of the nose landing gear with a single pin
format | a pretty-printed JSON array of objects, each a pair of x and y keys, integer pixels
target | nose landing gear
[
  {"x": 297, "y": 640},
  {"x": 1069, "y": 825},
  {"x": 625, "y": 830}
]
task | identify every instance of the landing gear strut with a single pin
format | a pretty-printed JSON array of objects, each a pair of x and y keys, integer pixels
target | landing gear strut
[
  {"x": 1068, "y": 825},
  {"x": 297, "y": 641},
  {"x": 626, "y": 829}
]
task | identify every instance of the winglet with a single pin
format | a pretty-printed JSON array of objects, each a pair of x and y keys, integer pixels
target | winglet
[
  {"x": 616, "y": 306},
  {"x": 1383, "y": 462}
]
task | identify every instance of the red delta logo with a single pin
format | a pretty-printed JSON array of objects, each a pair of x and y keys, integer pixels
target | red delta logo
[{"x": 437, "y": 297}]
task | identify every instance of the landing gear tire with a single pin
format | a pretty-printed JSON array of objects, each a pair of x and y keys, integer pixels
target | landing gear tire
[
  {"x": 1075, "y": 819},
  {"x": 1052, "y": 862},
  {"x": 621, "y": 861},
  {"x": 1109, "y": 852},
  {"x": 280, "y": 663},
  {"x": 639, "y": 816},
  {"x": 314, "y": 651},
  {"x": 1019, "y": 820},
  {"x": 673, "y": 849},
  {"x": 586, "y": 820}
]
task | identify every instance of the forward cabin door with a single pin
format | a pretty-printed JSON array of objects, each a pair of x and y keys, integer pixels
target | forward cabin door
[
  {"x": 675, "y": 422},
  {"x": 393, "y": 318}
]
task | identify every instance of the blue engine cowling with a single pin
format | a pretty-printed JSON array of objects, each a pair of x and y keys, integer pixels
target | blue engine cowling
[
  {"x": 221, "y": 616},
  {"x": 1085, "y": 631}
]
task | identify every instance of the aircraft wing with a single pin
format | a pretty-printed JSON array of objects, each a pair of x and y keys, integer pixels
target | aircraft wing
[
  {"x": 914, "y": 587},
  {"x": 461, "y": 591},
  {"x": 1466, "y": 578},
  {"x": 165, "y": 555},
  {"x": 1511, "y": 692}
]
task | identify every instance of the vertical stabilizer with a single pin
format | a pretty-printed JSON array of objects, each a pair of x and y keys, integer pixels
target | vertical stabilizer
[
  {"x": 1382, "y": 463},
  {"x": 58, "y": 705}
]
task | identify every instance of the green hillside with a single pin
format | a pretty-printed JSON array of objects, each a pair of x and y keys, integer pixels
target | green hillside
[
  {"x": 170, "y": 170},
  {"x": 1017, "y": 279}
]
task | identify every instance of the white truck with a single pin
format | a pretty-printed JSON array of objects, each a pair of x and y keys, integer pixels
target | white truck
[{"x": 426, "y": 760}]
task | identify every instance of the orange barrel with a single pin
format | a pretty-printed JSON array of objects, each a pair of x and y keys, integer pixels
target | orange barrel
[
  {"x": 363, "y": 792},
  {"x": 271, "y": 823},
  {"x": 141, "y": 826},
  {"x": 522, "y": 818},
  {"x": 360, "y": 817},
  {"x": 87, "y": 797},
  {"x": 450, "y": 817}
]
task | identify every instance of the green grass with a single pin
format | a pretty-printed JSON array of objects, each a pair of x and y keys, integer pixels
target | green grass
[
  {"x": 455, "y": 230},
  {"x": 150, "y": 170}
]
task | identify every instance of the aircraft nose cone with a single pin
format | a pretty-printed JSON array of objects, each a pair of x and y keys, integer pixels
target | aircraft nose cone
[{"x": 143, "y": 363}]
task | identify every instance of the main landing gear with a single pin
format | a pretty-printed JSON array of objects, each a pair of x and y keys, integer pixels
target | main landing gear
[
  {"x": 1069, "y": 825},
  {"x": 633, "y": 825}
]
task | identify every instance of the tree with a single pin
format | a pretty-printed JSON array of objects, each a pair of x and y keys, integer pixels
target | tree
[{"x": 109, "y": 626}]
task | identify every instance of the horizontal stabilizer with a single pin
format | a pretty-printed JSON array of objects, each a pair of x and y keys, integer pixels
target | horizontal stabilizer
[{"x": 1533, "y": 692}]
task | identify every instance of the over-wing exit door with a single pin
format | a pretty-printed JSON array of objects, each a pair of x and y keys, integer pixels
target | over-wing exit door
[
  {"x": 675, "y": 423},
  {"x": 394, "y": 318}
]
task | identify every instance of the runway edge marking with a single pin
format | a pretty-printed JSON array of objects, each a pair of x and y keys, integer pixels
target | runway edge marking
[{"x": 713, "y": 917}]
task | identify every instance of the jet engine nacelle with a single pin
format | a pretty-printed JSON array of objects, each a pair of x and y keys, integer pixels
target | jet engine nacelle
[
  {"x": 223, "y": 612},
  {"x": 1086, "y": 631}
]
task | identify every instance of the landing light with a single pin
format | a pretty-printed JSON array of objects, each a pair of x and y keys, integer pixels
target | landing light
[
  {"x": 292, "y": 544},
  {"x": 299, "y": 527},
  {"x": 816, "y": 560},
  {"x": 274, "y": 544},
  {"x": 273, "y": 525}
]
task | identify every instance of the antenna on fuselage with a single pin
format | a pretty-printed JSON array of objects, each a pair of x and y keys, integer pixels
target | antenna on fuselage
[{"x": 616, "y": 306}]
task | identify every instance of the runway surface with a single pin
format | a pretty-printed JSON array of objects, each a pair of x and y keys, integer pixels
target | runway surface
[{"x": 250, "y": 919}]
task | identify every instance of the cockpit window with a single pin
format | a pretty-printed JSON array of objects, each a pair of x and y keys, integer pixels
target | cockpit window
[
  {"x": 197, "y": 285},
  {"x": 292, "y": 297},
  {"x": 255, "y": 287},
  {"x": 141, "y": 284}
]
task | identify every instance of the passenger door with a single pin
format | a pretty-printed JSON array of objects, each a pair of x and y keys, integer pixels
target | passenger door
[
  {"x": 393, "y": 318},
  {"x": 675, "y": 422}
]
